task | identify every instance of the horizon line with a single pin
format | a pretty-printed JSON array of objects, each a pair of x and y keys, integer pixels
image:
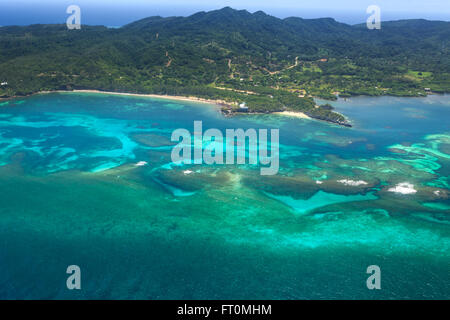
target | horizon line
[{"x": 221, "y": 9}]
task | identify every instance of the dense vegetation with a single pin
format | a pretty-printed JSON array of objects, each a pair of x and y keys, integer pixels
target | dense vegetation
[{"x": 270, "y": 64}]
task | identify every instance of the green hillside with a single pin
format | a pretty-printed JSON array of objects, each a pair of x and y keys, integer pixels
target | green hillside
[{"x": 271, "y": 64}]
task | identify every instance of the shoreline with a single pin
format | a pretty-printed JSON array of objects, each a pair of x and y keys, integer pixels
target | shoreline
[
  {"x": 294, "y": 114},
  {"x": 144, "y": 95},
  {"x": 191, "y": 99}
]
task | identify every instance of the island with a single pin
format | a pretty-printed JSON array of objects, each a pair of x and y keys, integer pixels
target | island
[{"x": 246, "y": 62}]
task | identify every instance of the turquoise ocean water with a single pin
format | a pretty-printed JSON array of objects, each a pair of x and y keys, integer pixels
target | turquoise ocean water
[{"x": 71, "y": 194}]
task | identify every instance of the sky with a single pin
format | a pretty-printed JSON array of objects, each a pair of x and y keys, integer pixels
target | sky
[{"x": 120, "y": 12}]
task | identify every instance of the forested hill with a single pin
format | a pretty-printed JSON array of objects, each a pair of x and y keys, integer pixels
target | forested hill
[{"x": 237, "y": 56}]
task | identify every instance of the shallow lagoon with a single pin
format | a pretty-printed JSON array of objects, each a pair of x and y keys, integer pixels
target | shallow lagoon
[{"x": 71, "y": 193}]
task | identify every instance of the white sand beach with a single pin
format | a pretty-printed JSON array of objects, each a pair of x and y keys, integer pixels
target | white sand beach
[
  {"x": 156, "y": 96},
  {"x": 294, "y": 114}
]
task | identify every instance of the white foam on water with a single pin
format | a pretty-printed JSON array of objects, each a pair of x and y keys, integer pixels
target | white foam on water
[
  {"x": 403, "y": 188},
  {"x": 352, "y": 183},
  {"x": 141, "y": 163}
]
